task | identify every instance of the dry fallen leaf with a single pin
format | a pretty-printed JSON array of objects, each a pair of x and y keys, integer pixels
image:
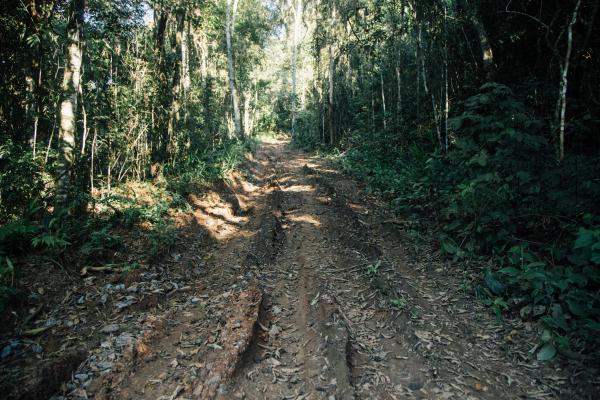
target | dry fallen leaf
[{"x": 478, "y": 387}]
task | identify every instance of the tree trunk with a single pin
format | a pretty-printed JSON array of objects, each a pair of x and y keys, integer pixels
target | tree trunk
[
  {"x": 247, "y": 98},
  {"x": 92, "y": 156},
  {"x": 434, "y": 107},
  {"x": 562, "y": 97},
  {"x": 229, "y": 29},
  {"x": 383, "y": 100},
  {"x": 399, "y": 96},
  {"x": 30, "y": 108},
  {"x": 487, "y": 55},
  {"x": 161, "y": 137},
  {"x": 418, "y": 59},
  {"x": 297, "y": 21},
  {"x": 68, "y": 107},
  {"x": 33, "y": 80},
  {"x": 186, "y": 81},
  {"x": 253, "y": 108},
  {"x": 175, "y": 106},
  {"x": 446, "y": 96},
  {"x": 331, "y": 78}
]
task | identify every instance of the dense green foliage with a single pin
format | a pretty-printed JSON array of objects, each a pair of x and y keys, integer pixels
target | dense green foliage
[
  {"x": 410, "y": 94},
  {"x": 152, "y": 91},
  {"x": 526, "y": 217},
  {"x": 152, "y": 103}
]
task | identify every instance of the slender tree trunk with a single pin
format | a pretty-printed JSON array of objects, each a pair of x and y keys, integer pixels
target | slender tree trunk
[
  {"x": 254, "y": 108},
  {"x": 185, "y": 60},
  {"x": 161, "y": 138},
  {"x": 318, "y": 86},
  {"x": 229, "y": 29},
  {"x": 418, "y": 59},
  {"x": 562, "y": 97},
  {"x": 203, "y": 50},
  {"x": 85, "y": 132},
  {"x": 176, "y": 86},
  {"x": 297, "y": 21},
  {"x": 399, "y": 95},
  {"x": 33, "y": 80},
  {"x": 186, "y": 81},
  {"x": 233, "y": 16},
  {"x": 39, "y": 105},
  {"x": 446, "y": 96},
  {"x": 93, "y": 155},
  {"x": 68, "y": 106},
  {"x": 349, "y": 59},
  {"x": 247, "y": 98},
  {"x": 383, "y": 100},
  {"x": 30, "y": 108},
  {"x": 434, "y": 107},
  {"x": 331, "y": 78}
]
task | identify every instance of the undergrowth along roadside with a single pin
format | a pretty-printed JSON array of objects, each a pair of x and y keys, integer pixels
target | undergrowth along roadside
[
  {"x": 530, "y": 228},
  {"x": 112, "y": 222}
]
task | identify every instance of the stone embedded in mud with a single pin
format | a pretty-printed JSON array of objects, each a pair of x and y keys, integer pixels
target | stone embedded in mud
[
  {"x": 114, "y": 288},
  {"x": 216, "y": 379},
  {"x": 36, "y": 348},
  {"x": 124, "y": 339},
  {"x": 52, "y": 322},
  {"x": 7, "y": 351},
  {"x": 81, "y": 377},
  {"x": 129, "y": 300},
  {"x": 112, "y": 328},
  {"x": 274, "y": 362},
  {"x": 274, "y": 331},
  {"x": 222, "y": 389},
  {"x": 132, "y": 289},
  {"x": 102, "y": 366}
]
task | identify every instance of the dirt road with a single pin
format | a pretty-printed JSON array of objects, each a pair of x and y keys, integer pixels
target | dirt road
[{"x": 310, "y": 289}]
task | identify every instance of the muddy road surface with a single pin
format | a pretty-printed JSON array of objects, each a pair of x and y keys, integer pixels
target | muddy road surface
[{"x": 304, "y": 286}]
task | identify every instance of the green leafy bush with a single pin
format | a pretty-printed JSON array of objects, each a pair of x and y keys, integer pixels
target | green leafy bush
[
  {"x": 199, "y": 169},
  {"x": 162, "y": 237},
  {"x": 501, "y": 194},
  {"x": 501, "y": 199},
  {"x": 99, "y": 241},
  {"x": 566, "y": 297},
  {"x": 20, "y": 180},
  {"x": 492, "y": 174}
]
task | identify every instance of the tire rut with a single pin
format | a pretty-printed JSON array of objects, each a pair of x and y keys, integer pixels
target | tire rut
[
  {"x": 301, "y": 352},
  {"x": 344, "y": 314}
]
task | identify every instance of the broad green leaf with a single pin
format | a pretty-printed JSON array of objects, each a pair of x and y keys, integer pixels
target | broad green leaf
[
  {"x": 511, "y": 271},
  {"x": 449, "y": 247},
  {"x": 546, "y": 353},
  {"x": 593, "y": 325},
  {"x": 493, "y": 284},
  {"x": 577, "y": 309},
  {"x": 546, "y": 336},
  {"x": 585, "y": 238}
]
